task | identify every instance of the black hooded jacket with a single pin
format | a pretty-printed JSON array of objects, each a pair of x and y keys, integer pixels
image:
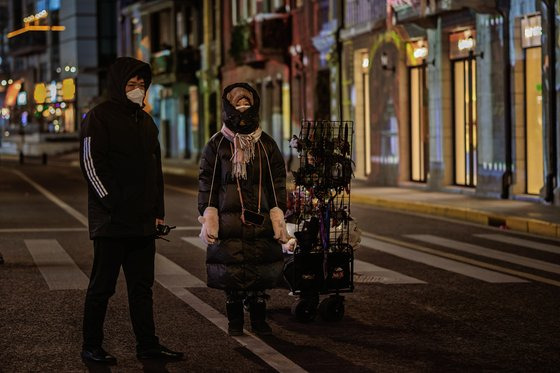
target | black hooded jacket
[
  {"x": 121, "y": 160},
  {"x": 246, "y": 257}
]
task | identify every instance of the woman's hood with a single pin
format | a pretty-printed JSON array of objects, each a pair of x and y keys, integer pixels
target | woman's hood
[{"x": 240, "y": 122}]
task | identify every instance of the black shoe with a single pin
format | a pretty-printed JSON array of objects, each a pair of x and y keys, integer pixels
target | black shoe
[
  {"x": 235, "y": 318},
  {"x": 98, "y": 355},
  {"x": 159, "y": 352},
  {"x": 258, "y": 318},
  {"x": 235, "y": 330},
  {"x": 261, "y": 328}
]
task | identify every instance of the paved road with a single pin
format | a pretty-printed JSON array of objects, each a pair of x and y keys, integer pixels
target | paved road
[{"x": 431, "y": 294}]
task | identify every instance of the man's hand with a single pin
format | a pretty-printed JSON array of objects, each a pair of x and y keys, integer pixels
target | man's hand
[{"x": 159, "y": 221}]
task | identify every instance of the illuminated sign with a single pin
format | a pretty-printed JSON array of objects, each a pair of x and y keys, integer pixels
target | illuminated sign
[
  {"x": 462, "y": 43},
  {"x": 40, "y": 93},
  {"x": 68, "y": 89},
  {"x": 416, "y": 52},
  {"x": 420, "y": 52},
  {"x": 31, "y": 23},
  {"x": 36, "y": 17},
  {"x": 22, "y": 98},
  {"x": 46, "y": 93},
  {"x": 465, "y": 44},
  {"x": 531, "y": 31}
]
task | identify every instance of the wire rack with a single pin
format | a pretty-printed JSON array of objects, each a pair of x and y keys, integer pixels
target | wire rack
[{"x": 322, "y": 204}]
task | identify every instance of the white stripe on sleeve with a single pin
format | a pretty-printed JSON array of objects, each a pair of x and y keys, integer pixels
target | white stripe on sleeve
[{"x": 88, "y": 164}]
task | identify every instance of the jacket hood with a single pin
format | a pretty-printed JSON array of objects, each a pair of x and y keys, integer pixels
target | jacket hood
[
  {"x": 120, "y": 72},
  {"x": 233, "y": 118}
]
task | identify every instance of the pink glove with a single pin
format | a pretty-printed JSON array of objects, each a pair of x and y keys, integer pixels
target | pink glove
[
  {"x": 210, "y": 225},
  {"x": 279, "y": 225}
]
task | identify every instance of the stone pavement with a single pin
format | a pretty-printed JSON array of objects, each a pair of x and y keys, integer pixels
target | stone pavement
[{"x": 518, "y": 215}]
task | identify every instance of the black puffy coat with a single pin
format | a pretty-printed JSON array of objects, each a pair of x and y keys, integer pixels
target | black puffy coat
[
  {"x": 245, "y": 257},
  {"x": 121, "y": 160}
]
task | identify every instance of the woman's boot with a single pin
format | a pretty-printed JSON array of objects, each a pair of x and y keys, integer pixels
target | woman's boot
[
  {"x": 257, "y": 311},
  {"x": 235, "y": 317}
]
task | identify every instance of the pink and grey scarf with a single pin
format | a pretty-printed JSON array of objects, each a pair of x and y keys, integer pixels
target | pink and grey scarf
[{"x": 243, "y": 149}]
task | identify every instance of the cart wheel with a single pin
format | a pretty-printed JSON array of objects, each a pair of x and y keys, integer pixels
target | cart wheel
[
  {"x": 304, "y": 310},
  {"x": 332, "y": 308}
]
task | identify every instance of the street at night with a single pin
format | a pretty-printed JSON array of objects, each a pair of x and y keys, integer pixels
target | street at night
[
  {"x": 421, "y": 302},
  {"x": 279, "y": 186}
]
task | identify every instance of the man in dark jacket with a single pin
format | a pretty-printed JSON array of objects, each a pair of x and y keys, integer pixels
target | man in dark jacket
[
  {"x": 121, "y": 162},
  {"x": 242, "y": 193}
]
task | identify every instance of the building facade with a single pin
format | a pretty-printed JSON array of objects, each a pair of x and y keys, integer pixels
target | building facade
[
  {"x": 168, "y": 35},
  {"x": 52, "y": 75},
  {"x": 454, "y": 95}
]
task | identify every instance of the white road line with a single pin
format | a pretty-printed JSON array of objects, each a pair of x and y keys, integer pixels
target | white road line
[
  {"x": 170, "y": 275},
  {"x": 555, "y": 249},
  {"x": 438, "y": 262},
  {"x": 266, "y": 353},
  {"x": 489, "y": 253},
  {"x": 57, "y": 267},
  {"x": 175, "y": 279},
  {"x": 366, "y": 272},
  {"x": 63, "y": 205},
  {"x": 195, "y": 241},
  {"x": 42, "y": 230}
]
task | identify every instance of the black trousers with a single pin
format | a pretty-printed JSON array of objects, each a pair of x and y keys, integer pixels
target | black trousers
[{"x": 136, "y": 256}]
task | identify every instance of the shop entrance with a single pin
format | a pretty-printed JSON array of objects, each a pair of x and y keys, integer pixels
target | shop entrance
[
  {"x": 533, "y": 120},
  {"x": 465, "y": 121},
  {"x": 418, "y": 124}
]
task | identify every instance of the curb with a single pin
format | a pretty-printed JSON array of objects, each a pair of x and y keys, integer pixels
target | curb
[{"x": 514, "y": 223}]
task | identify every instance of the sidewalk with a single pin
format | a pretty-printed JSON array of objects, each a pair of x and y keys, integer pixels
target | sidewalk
[{"x": 522, "y": 216}]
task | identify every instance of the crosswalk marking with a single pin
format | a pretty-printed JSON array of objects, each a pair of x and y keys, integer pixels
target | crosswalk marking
[
  {"x": 489, "y": 253},
  {"x": 170, "y": 275},
  {"x": 269, "y": 355},
  {"x": 364, "y": 272},
  {"x": 254, "y": 344},
  {"x": 555, "y": 249},
  {"x": 57, "y": 267},
  {"x": 438, "y": 262}
]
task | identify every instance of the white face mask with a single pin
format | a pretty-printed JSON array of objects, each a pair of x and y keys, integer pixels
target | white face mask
[
  {"x": 136, "y": 96},
  {"x": 242, "y": 108}
]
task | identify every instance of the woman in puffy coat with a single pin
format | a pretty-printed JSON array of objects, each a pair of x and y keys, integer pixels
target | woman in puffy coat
[{"x": 242, "y": 196}]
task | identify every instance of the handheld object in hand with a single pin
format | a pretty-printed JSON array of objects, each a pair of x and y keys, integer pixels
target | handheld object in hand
[
  {"x": 164, "y": 229},
  {"x": 252, "y": 218}
]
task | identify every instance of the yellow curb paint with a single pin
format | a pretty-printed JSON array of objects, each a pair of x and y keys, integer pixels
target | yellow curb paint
[
  {"x": 477, "y": 217},
  {"x": 458, "y": 213},
  {"x": 517, "y": 224},
  {"x": 542, "y": 228}
]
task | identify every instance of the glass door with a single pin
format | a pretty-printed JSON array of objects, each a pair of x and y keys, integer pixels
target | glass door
[
  {"x": 533, "y": 120},
  {"x": 465, "y": 121},
  {"x": 418, "y": 124}
]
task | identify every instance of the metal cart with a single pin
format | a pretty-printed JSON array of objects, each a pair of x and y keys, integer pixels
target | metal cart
[{"x": 323, "y": 260}]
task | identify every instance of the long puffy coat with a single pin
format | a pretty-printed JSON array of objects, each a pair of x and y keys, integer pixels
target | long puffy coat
[{"x": 245, "y": 257}]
